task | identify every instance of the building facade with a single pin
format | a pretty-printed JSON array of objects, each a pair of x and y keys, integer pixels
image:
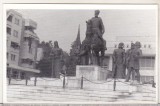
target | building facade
[
  {"x": 29, "y": 44},
  {"x": 14, "y": 30},
  {"x": 22, "y": 45}
]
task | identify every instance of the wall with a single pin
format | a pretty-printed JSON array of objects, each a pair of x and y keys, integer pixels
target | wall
[{"x": 12, "y": 37}]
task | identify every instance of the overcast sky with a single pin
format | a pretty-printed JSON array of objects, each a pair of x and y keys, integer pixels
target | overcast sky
[{"x": 62, "y": 25}]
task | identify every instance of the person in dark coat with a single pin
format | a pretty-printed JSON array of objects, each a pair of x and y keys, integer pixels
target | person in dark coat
[
  {"x": 137, "y": 53},
  {"x": 130, "y": 62},
  {"x": 119, "y": 62}
]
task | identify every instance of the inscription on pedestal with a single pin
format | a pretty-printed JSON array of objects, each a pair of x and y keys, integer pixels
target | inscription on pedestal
[{"x": 86, "y": 68}]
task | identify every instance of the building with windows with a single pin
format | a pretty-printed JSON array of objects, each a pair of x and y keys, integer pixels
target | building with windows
[
  {"x": 147, "y": 61},
  {"x": 29, "y": 44},
  {"x": 22, "y": 45},
  {"x": 14, "y": 30}
]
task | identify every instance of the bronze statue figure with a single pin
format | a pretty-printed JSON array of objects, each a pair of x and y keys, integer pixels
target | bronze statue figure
[
  {"x": 94, "y": 42},
  {"x": 119, "y": 62},
  {"x": 57, "y": 54},
  {"x": 130, "y": 62}
]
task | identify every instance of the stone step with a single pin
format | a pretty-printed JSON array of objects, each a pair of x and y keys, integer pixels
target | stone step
[
  {"x": 79, "y": 93},
  {"x": 57, "y": 97},
  {"x": 86, "y": 91},
  {"x": 83, "y": 95}
]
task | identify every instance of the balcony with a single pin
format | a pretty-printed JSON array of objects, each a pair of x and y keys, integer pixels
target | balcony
[
  {"x": 31, "y": 34},
  {"x": 30, "y": 23},
  {"x": 15, "y": 45}
]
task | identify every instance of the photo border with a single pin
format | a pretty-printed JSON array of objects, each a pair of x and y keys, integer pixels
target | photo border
[{"x": 121, "y": 2}]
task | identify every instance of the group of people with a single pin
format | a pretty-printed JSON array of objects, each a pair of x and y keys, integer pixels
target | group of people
[{"x": 129, "y": 60}]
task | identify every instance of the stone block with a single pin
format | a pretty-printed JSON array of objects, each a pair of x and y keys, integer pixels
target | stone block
[{"x": 91, "y": 72}]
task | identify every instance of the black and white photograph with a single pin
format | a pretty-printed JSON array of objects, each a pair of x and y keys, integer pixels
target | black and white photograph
[{"x": 81, "y": 53}]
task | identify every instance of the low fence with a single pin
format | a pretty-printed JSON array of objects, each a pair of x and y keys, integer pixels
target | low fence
[{"x": 81, "y": 83}]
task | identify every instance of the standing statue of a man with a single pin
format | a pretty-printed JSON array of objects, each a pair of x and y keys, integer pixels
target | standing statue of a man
[
  {"x": 57, "y": 54},
  {"x": 98, "y": 27}
]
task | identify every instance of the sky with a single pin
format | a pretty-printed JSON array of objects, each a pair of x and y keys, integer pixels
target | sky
[{"x": 62, "y": 25}]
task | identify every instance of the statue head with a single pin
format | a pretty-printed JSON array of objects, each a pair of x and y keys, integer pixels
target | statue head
[
  {"x": 56, "y": 44},
  {"x": 121, "y": 45},
  {"x": 138, "y": 44},
  {"x": 96, "y": 13}
]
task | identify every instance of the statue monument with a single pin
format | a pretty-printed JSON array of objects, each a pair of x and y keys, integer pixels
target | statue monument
[
  {"x": 57, "y": 55},
  {"x": 92, "y": 50},
  {"x": 94, "y": 42}
]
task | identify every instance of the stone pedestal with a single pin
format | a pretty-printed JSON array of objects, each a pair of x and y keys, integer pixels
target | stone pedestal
[{"x": 92, "y": 73}]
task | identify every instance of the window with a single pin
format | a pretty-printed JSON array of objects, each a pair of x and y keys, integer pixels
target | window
[
  {"x": 10, "y": 18},
  {"x": 8, "y": 30},
  {"x": 16, "y": 21},
  {"x": 15, "y": 33},
  {"x": 14, "y": 45},
  {"x": 13, "y": 57},
  {"x": 27, "y": 61}
]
